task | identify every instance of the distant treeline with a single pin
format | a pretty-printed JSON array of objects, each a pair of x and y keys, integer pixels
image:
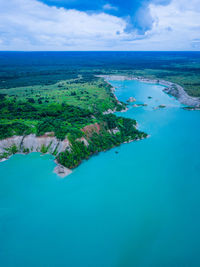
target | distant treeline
[{"x": 43, "y": 68}]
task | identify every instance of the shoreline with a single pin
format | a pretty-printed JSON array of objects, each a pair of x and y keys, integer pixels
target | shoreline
[
  {"x": 59, "y": 169},
  {"x": 110, "y": 111},
  {"x": 170, "y": 88},
  {"x": 31, "y": 143}
]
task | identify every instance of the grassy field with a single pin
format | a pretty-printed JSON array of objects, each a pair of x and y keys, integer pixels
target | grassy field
[{"x": 94, "y": 95}]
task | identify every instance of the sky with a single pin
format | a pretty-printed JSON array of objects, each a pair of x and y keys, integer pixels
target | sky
[{"x": 105, "y": 25}]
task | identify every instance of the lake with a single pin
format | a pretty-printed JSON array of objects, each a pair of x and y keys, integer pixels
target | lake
[{"x": 135, "y": 205}]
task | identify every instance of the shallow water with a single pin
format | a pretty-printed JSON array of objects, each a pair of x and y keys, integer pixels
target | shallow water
[{"x": 139, "y": 207}]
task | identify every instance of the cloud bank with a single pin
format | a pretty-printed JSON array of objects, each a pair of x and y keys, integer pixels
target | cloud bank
[{"x": 148, "y": 25}]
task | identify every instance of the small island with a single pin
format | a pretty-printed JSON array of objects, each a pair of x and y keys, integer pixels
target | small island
[
  {"x": 131, "y": 99},
  {"x": 162, "y": 106}
]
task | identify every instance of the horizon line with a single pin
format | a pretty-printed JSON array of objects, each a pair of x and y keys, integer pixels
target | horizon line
[{"x": 27, "y": 51}]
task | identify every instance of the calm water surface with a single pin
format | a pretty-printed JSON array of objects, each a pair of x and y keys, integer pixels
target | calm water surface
[{"x": 140, "y": 207}]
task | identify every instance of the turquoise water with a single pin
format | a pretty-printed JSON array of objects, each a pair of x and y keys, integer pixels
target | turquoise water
[{"x": 140, "y": 207}]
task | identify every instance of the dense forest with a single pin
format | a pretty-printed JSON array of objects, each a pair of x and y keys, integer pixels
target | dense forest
[
  {"x": 18, "y": 69},
  {"x": 102, "y": 141},
  {"x": 22, "y": 118}
]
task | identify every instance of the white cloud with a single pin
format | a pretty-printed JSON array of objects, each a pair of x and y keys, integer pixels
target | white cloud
[
  {"x": 175, "y": 25},
  {"x": 31, "y": 25},
  {"x": 43, "y": 27},
  {"x": 109, "y": 7}
]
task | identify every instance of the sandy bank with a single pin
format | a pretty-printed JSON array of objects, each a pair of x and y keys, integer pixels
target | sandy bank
[
  {"x": 61, "y": 170},
  {"x": 170, "y": 88}
]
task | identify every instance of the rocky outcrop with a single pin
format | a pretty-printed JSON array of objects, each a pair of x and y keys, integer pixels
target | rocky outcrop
[
  {"x": 114, "y": 131},
  {"x": 109, "y": 111},
  {"x": 90, "y": 129},
  {"x": 61, "y": 170},
  {"x": 82, "y": 139},
  {"x": 47, "y": 143},
  {"x": 178, "y": 92},
  {"x": 131, "y": 99},
  {"x": 33, "y": 143},
  {"x": 9, "y": 142}
]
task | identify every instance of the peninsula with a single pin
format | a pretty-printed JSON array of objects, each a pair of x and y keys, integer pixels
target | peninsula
[
  {"x": 71, "y": 120},
  {"x": 67, "y": 109}
]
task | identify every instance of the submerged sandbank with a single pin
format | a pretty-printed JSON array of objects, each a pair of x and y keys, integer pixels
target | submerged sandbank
[{"x": 61, "y": 171}]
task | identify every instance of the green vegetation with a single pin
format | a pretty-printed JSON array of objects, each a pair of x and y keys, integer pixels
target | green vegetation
[
  {"x": 12, "y": 150},
  {"x": 101, "y": 141},
  {"x": 44, "y": 149},
  {"x": 9, "y": 151},
  {"x": 161, "y": 106},
  {"x": 60, "y": 93},
  {"x": 27, "y": 72},
  {"x": 25, "y": 150},
  {"x": 94, "y": 95},
  {"x": 67, "y": 117},
  {"x": 23, "y": 118}
]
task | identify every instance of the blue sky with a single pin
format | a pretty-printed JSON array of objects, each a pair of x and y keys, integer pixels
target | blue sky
[
  {"x": 66, "y": 25},
  {"x": 127, "y": 9}
]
